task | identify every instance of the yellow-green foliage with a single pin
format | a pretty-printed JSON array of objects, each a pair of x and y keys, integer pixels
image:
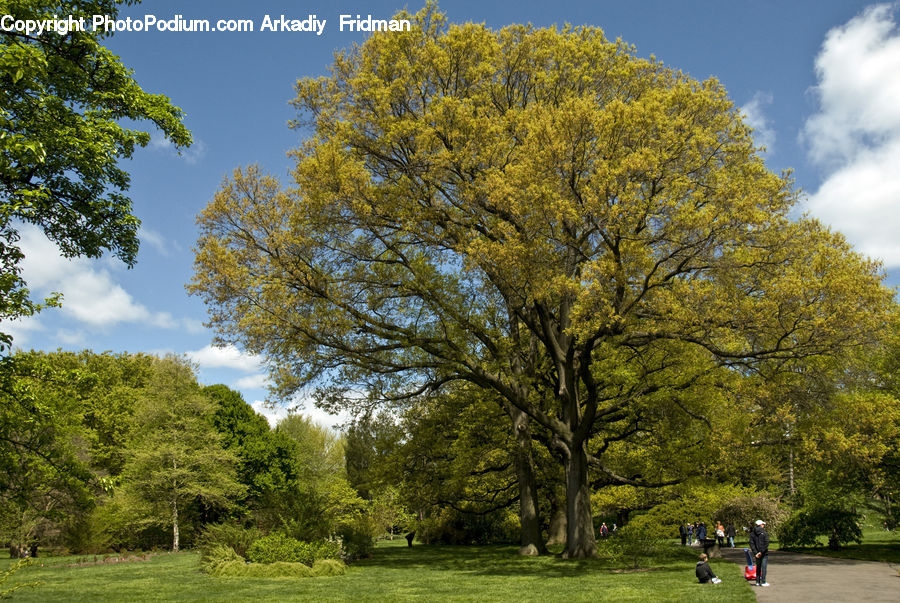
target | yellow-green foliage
[
  {"x": 222, "y": 561},
  {"x": 329, "y": 567},
  {"x": 25, "y": 563},
  {"x": 216, "y": 558}
]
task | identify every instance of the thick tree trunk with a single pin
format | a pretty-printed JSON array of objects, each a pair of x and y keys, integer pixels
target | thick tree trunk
[
  {"x": 580, "y": 539},
  {"x": 556, "y": 534},
  {"x": 531, "y": 541}
]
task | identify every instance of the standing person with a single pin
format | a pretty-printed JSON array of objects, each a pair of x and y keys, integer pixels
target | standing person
[
  {"x": 720, "y": 534},
  {"x": 730, "y": 533},
  {"x": 759, "y": 546},
  {"x": 604, "y": 531},
  {"x": 701, "y": 532},
  {"x": 683, "y": 532}
]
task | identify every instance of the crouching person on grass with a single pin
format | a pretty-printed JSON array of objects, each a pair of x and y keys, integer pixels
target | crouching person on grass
[{"x": 704, "y": 572}]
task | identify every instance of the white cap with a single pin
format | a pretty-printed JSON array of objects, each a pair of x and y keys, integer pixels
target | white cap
[{"x": 760, "y": 522}]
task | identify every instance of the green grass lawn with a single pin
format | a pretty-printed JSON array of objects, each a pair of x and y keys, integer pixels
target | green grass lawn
[
  {"x": 395, "y": 572},
  {"x": 877, "y": 545}
]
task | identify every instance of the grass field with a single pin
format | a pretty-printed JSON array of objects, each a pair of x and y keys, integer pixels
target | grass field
[
  {"x": 395, "y": 572},
  {"x": 877, "y": 545}
]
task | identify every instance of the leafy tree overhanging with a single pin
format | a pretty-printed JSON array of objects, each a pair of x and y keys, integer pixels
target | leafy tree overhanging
[{"x": 62, "y": 101}]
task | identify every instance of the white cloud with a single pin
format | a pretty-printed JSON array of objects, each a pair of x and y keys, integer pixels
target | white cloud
[
  {"x": 859, "y": 86},
  {"x": 90, "y": 294},
  {"x": 68, "y": 337},
  {"x": 755, "y": 117},
  {"x": 856, "y": 133},
  {"x": 193, "y": 326},
  {"x": 158, "y": 242},
  {"x": 257, "y": 381},
  {"x": 305, "y": 407},
  {"x": 93, "y": 298},
  {"x": 226, "y": 357},
  {"x": 20, "y": 329},
  {"x": 191, "y": 155}
]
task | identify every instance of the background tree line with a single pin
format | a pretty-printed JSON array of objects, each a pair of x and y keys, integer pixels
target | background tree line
[{"x": 120, "y": 451}]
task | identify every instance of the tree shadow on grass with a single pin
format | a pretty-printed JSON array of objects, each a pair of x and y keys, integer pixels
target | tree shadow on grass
[
  {"x": 849, "y": 554},
  {"x": 487, "y": 561}
]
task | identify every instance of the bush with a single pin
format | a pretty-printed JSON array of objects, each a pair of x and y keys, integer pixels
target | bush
[
  {"x": 279, "y": 569},
  {"x": 326, "y": 549},
  {"x": 237, "y": 537},
  {"x": 329, "y": 567},
  {"x": 278, "y": 547},
  {"x": 805, "y": 527},
  {"x": 219, "y": 560},
  {"x": 634, "y": 545},
  {"x": 357, "y": 539}
]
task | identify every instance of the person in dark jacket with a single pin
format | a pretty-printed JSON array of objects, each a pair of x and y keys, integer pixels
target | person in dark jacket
[
  {"x": 730, "y": 533},
  {"x": 759, "y": 546},
  {"x": 701, "y": 531},
  {"x": 683, "y": 532},
  {"x": 704, "y": 572}
]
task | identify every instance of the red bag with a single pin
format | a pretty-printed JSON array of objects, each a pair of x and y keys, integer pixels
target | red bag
[{"x": 750, "y": 572}]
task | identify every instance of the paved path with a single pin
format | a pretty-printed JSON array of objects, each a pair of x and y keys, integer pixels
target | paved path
[{"x": 802, "y": 578}]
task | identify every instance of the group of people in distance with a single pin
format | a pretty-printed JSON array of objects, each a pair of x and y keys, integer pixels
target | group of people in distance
[
  {"x": 698, "y": 532},
  {"x": 759, "y": 548}
]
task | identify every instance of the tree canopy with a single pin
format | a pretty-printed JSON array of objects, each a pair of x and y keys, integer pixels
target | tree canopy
[
  {"x": 538, "y": 212},
  {"x": 63, "y": 101}
]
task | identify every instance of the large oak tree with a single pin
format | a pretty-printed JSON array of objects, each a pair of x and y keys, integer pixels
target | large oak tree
[{"x": 589, "y": 234}]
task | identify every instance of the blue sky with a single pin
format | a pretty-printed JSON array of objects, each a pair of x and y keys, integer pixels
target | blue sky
[{"x": 819, "y": 80}]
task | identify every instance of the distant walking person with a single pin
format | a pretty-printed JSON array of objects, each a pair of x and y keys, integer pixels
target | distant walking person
[
  {"x": 759, "y": 546},
  {"x": 683, "y": 532},
  {"x": 691, "y": 534},
  {"x": 604, "y": 531},
  {"x": 720, "y": 534},
  {"x": 730, "y": 533},
  {"x": 701, "y": 532}
]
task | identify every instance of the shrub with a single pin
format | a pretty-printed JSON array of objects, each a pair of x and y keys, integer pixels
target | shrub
[
  {"x": 326, "y": 549},
  {"x": 220, "y": 560},
  {"x": 279, "y": 569},
  {"x": 278, "y": 547},
  {"x": 805, "y": 527},
  {"x": 329, "y": 567},
  {"x": 235, "y": 536},
  {"x": 634, "y": 545},
  {"x": 357, "y": 539}
]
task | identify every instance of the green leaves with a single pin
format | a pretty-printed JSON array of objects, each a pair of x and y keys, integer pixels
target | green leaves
[{"x": 62, "y": 99}]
